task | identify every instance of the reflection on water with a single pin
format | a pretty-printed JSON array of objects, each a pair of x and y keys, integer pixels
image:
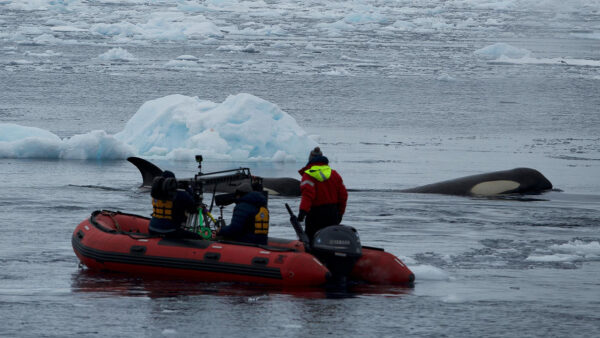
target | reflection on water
[{"x": 117, "y": 284}]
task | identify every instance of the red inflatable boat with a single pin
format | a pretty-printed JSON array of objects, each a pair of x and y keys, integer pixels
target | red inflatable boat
[{"x": 115, "y": 241}]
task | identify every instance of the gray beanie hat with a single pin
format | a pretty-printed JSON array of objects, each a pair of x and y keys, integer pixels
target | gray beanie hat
[{"x": 314, "y": 153}]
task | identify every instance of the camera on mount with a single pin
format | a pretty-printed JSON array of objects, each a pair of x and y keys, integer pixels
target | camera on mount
[
  {"x": 225, "y": 199},
  {"x": 210, "y": 181}
]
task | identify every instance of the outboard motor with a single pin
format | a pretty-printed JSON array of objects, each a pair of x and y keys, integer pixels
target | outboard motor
[{"x": 339, "y": 248}]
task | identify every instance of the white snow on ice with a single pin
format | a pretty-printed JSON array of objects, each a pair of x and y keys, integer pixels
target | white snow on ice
[
  {"x": 117, "y": 54},
  {"x": 177, "y": 127},
  {"x": 575, "y": 250},
  {"x": 505, "y": 53}
]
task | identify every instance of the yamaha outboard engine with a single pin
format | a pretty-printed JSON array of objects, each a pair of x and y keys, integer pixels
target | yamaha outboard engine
[{"x": 339, "y": 248}]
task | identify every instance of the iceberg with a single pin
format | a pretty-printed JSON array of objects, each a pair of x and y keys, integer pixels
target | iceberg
[
  {"x": 243, "y": 127},
  {"x": 176, "y": 127}
]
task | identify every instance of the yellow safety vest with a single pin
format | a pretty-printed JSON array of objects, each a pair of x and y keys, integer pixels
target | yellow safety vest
[
  {"x": 162, "y": 209},
  {"x": 261, "y": 222},
  {"x": 319, "y": 172}
]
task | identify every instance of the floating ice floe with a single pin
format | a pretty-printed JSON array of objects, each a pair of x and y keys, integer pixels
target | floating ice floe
[
  {"x": 47, "y": 53},
  {"x": 337, "y": 71},
  {"x": 64, "y": 29},
  {"x": 250, "y": 48},
  {"x": 502, "y": 50},
  {"x": 48, "y": 39},
  {"x": 187, "y": 58},
  {"x": 162, "y": 26},
  {"x": 117, "y": 54},
  {"x": 39, "y": 5},
  {"x": 181, "y": 64},
  {"x": 429, "y": 272},
  {"x": 572, "y": 251},
  {"x": 29, "y": 142},
  {"x": 505, "y": 53},
  {"x": 444, "y": 77}
]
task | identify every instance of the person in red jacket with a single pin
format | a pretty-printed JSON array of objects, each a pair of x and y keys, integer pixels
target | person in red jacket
[{"x": 324, "y": 195}]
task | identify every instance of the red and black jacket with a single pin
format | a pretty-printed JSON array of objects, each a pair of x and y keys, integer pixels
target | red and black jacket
[{"x": 323, "y": 198}]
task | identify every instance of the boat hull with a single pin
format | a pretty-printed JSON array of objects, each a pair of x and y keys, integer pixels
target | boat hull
[{"x": 114, "y": 241}]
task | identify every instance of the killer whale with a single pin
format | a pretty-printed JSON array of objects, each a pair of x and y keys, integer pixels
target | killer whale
[
  {"x": 513, "y": 181},
  {"x": 284, "y": 186},
  {"x": 505, "y": 182}
]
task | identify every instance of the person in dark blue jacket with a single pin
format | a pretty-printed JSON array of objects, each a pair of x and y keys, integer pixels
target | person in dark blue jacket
[
  {"x": 250, "y": 219},
  {"x": 169, "y": 206}
]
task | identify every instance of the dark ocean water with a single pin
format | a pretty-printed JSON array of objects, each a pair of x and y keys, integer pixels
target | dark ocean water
[{"x": 392, "y": 109}]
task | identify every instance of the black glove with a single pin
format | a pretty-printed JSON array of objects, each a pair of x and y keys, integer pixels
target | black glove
[{"x": 301, "y": 216}]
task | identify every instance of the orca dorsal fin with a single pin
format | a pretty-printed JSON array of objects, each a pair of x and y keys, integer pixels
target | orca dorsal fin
[{"x": 148, "y": 170}]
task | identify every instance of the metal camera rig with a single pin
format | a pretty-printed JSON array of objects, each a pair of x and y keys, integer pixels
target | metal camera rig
[{"x": 201, "y": 221}]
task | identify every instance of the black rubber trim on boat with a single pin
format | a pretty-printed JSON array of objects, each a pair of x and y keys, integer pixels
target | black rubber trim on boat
[
  {"x": 175, "y": 263},
  {"x": 372, "y": 248},
  {"x": 212, "y": 256},
  {"x": 262, "y": 246},
  {"x": 260, "y": 261},
  {"x": 277, "y": 248},
  {"x": 280, "y": 240},
  {"x": 98, "y": 225},
  {"x": 137, "y": 250},
  {"x": 134, "y": 235},
  {"x": 185, "y": 242}
]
